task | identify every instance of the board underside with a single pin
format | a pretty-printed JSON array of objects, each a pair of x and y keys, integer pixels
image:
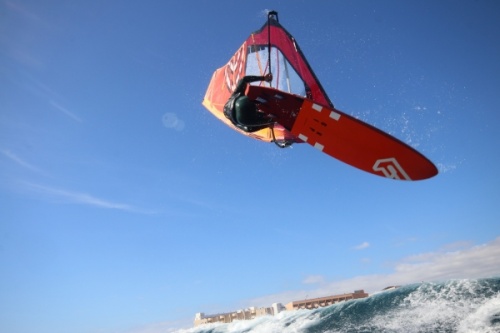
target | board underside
[{"x": 343, "y": 137}]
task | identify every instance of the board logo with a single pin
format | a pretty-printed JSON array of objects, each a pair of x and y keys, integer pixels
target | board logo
[{"x": 390, "y": 168}]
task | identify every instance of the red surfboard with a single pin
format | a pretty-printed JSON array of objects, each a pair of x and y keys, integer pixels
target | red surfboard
[{"x": 341, "y": 136}]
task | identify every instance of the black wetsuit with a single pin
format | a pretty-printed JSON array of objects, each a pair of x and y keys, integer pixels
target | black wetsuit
[{"x": 249, "y": 121}]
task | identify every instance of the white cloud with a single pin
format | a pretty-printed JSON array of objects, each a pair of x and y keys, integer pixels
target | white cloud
[
  {"x": 362, "y": 246},
  {"x": 466, "y": 263},
  {"x": 66, "y": 111},
  {"x": 314, "y": 279},
  {"x": 80, "y": 198},
  {"x": 161, "y": 327},
  {"x": 18, "y": 160}
]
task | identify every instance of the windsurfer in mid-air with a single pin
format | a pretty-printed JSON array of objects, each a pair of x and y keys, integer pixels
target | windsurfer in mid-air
[{"x": 242, "y": 111}]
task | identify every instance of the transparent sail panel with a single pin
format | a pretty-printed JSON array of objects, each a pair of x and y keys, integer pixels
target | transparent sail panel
[{"x": 285, "y": 78}]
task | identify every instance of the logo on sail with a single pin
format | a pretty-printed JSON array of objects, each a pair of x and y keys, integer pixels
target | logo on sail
[{"x": 235, "y": 69}]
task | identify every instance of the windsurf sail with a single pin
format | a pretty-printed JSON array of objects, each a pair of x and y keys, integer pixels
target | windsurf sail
[{"x": 271, "y": 49}]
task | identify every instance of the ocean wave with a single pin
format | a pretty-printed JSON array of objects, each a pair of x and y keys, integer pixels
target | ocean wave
[{"x": 455, "y": 306}]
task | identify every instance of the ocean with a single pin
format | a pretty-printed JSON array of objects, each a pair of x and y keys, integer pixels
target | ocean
[{"x": 461, "y": 306}]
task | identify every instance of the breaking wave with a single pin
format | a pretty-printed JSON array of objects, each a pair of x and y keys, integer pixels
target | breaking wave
[{"x": 455, "y": 306}]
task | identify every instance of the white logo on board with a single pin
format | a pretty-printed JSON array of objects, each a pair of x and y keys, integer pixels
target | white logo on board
[{"x": 390, "y": 168}]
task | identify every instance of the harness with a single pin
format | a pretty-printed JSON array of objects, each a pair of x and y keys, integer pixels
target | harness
[{"x": 230, "y": 112}]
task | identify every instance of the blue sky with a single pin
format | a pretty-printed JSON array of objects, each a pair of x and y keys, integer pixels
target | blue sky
[{"x": 127, "y": 207}]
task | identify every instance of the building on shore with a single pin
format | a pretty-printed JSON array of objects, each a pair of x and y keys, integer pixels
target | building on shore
[
  {"x": 246, "y": 314},
  {"x": 252, "y": 312},
  {"x": 314, "y": 303}
]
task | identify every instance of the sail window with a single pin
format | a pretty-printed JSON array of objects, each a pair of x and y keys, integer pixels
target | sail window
[{"x": 285, "y": 78}]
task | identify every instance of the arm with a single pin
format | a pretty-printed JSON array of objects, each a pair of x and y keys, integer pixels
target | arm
[{"x": 242, "y": 84}]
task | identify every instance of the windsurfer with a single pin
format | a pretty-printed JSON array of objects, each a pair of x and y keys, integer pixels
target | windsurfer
[{"x": 242, "y": 111}]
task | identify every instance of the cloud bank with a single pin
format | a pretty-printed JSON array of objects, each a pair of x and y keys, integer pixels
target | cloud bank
[{"x": 469, "y": 262}]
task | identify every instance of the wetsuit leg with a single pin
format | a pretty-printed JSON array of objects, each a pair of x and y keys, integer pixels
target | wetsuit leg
[
  {"x": 252, "y": 118},
  {"x": 247, "y": 114}
]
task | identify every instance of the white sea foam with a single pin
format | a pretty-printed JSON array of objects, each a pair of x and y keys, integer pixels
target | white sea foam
[
  {"x": 486, "y": 319},
  {"x": 435, "y": 307},
  {"x": 458, "y": 306}
]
